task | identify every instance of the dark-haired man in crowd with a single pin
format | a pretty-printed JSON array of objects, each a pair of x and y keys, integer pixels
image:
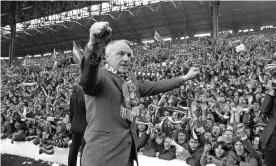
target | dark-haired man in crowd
[{"x": 78, "y": 124}]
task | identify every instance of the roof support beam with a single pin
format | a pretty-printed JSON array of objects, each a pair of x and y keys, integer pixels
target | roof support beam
[
  {"x": 115, "y": 23},
  {"x": 7, "y": 39},
  {"x": 142, "y": 23},
  {"x": 59, "y": 34},
  {"x": 258, "y": 20},
  {"x": 234, "y": 24},
  {"x": 185, "y": 17},
  {"x": 57, "y": 43},
  {"x": 52, "y": 45},
  {"x": 69, "y": 29},
  {"x": 146, "y": 18},
  {"x": 78, "y": 22},
  {"x": 167, "y": 21},
  {"x": 3, "y": 42},
  {"x": 205, "y": 5},
  {"x": 134, "y": 29},
  {"x": 31, "y": 41},
  {"x": 35, "y": 36}
]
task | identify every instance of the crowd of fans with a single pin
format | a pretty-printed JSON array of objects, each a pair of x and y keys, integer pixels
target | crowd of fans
[{"x": 215, "y": 118}]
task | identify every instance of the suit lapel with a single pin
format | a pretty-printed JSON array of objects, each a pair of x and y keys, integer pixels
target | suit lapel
[{"x": 117, "y": 81}]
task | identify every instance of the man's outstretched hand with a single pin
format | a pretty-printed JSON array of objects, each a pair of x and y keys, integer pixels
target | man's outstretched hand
[{"x": 193, "y": 72}]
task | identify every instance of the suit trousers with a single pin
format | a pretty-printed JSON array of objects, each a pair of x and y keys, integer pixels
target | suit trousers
[
  {"x": 78, "y": 143},
  {"x": 269, "y": 157},
  {"x": 131, "y": 157},
  {"x": 270, "y": 151}
]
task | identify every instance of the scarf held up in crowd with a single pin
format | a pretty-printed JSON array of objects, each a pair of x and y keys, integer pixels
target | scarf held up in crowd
[{"x": 129, "y": 108}]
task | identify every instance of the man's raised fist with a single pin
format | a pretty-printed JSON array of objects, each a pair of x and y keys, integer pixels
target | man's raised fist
[{"x": 100, "y": 32}]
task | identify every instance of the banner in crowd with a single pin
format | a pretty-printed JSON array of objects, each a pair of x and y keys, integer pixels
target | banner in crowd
[
  {"x": 187, "y": 54},
  {"x": 76, "y": 53},
  {"x": 158, "y": 37},
  {"x": 232, "y": 42},
  {"x": 28, "y": 84},
  {"x": 240, "y": 48},
  {"x": 28, "y": 62},
  {"x": 55, "y": 60},
  {"x": 54, "y": 56}
]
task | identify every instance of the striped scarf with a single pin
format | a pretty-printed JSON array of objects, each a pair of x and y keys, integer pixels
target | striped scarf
[{"x": 129, "y": 108}]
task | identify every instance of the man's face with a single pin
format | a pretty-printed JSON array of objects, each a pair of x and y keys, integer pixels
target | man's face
[
  {"x": 118, "y": 56},
  {"x": 256, "y": 107},
  {"x": 236, "y": 99},
  {"x": 193, "y": 144},
  {"x": 228, "y": 137},
  {"x": 216, "y": 131},
  {"x": 208, "y": 136},
  {"x": 239, "y": 131},
  {"x": 181, "y": 137},
  {"x": 16, "y": 125},
  {"x": 141, "y": 127},
  {"x": 239, "y": 147},
  {"x": 219, "y": 151},
  {"x": 209, "y": 124},
  {"x": 167, "y": 143},
  {"x": 158, "y": 140},
  {"x": 242, "y": 101}
]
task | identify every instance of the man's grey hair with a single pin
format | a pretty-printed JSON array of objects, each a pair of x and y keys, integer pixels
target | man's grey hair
[{"x": 114, "y": 41}]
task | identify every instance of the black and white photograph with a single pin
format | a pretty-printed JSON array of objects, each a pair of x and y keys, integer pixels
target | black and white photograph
[{"x": 138, "y": 83}]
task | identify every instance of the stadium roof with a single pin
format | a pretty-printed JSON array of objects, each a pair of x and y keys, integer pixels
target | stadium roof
[
  {"x": 131, "y": 21},
  {"x": 29, "y": 10}
]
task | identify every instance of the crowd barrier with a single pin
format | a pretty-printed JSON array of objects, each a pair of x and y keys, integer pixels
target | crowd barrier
[{"x": 28, "y": 149}]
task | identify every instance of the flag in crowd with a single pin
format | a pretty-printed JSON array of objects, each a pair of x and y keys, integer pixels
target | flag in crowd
[
  {"x": 54, "y": 56},
  {"x": 76, "y": 53},
  {"x": 240, "y": 48},
  {"x": 158, "y": 37},
  {"x": 55, "y": 61}
]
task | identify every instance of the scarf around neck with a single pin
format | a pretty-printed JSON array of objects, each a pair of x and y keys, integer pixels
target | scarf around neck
[{"x": 129, "y": 108}]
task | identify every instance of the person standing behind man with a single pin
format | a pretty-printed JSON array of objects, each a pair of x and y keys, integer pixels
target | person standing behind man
[
  {"x": 112, "y": 100},
  {"x": 268, "y": 135},
  {"x": 78, "y": 124}
]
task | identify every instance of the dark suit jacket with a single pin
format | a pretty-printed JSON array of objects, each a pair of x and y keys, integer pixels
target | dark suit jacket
[
  {"x": 268, "y": 107},
  {"x": 77, "y": 112},
  {"x": 109, "y": 137}
]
